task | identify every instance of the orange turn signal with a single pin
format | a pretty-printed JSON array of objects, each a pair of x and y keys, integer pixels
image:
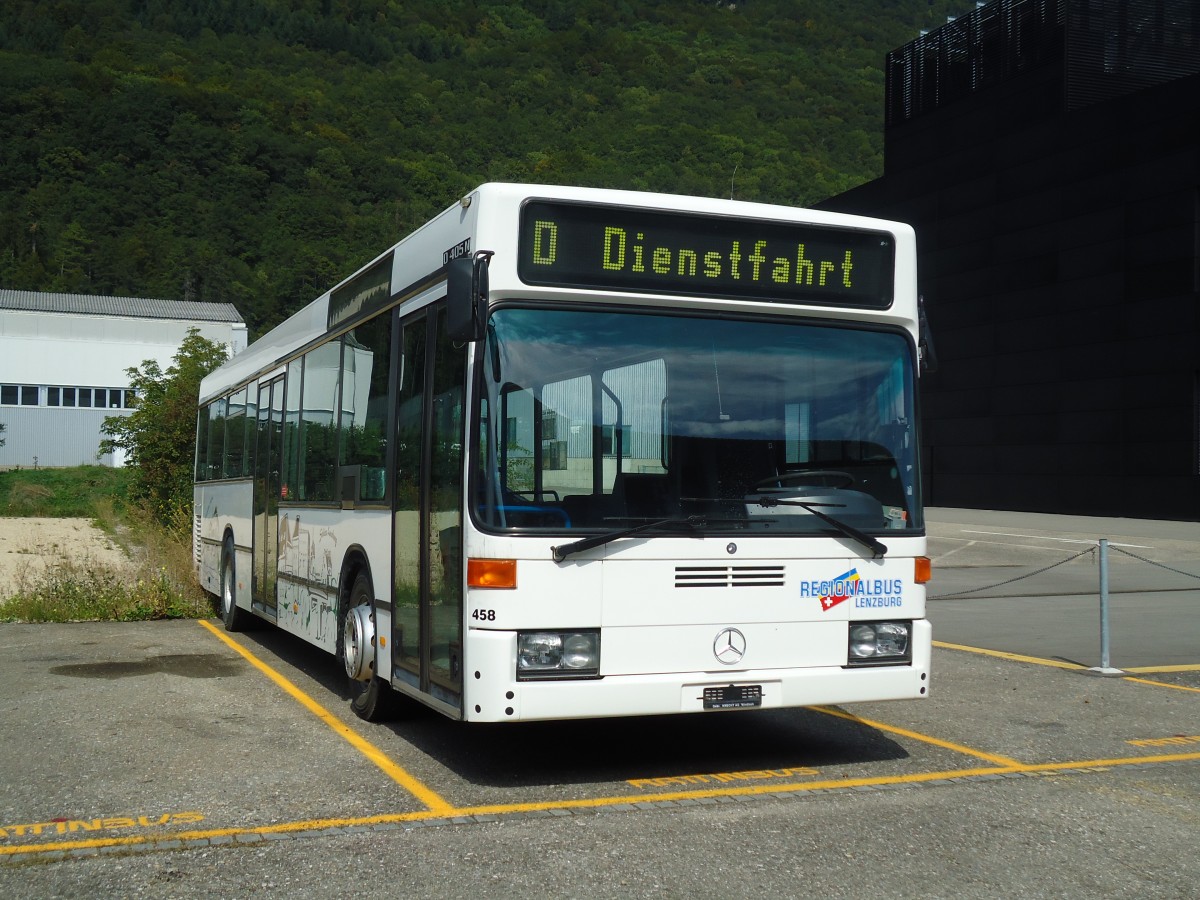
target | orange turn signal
[
  {"x": 492, "y": 573},
  {"x": 922, "y": 569}
]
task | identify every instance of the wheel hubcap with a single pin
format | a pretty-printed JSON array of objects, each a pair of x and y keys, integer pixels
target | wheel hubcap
[
  {"x": 226, "y": 594},
  {"x": 358, "y": 644}
]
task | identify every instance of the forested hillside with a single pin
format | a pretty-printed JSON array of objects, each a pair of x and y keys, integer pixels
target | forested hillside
[{"x": 257, "y": 151}]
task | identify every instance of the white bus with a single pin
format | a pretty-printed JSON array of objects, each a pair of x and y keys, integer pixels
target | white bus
[{"x": 568, "y": 452}]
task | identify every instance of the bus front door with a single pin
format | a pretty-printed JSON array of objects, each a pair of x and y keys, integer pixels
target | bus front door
[
  {"x": 428, "y": 593},
  {"x": 268, "y": 453}
]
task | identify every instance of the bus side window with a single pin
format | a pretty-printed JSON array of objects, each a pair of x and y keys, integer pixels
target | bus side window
[
  {"x": 216, "y": 437},
  {"x": 364, "y": 411},
  {"x": 409, "y": 428},
  {"x": 289, "y": 482},
  {"x": 202, "y": 443},
  {"x": 318, "y": 425},
  {"x": 235, "y": 436}
]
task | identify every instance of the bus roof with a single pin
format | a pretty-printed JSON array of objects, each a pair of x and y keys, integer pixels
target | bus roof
[{"x": 304, "y": 326}]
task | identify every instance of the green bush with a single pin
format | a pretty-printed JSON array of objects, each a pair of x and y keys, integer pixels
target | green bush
[
  {"x": 160, "y": 434},
  {"x": 72, "y": 592}
]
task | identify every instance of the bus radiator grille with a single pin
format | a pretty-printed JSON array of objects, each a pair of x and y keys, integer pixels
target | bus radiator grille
[{"x": 728, "y": 576}]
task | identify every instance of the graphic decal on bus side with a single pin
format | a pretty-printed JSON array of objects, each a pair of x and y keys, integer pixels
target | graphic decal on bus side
[
  {"x": 868, "y": 593},
  {"x": 307, "y": 582}
]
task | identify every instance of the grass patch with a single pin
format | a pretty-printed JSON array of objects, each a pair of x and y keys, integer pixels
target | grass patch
[
  {"x": 73, "y": 592},
  {"x": 57, "y": 493},
  {"x": 156, "y": 582}
]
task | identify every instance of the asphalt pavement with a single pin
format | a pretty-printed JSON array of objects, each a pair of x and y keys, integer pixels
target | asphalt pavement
[
  {"x": 170, "y": 759},
  {"x": 1030, "y": 583}
]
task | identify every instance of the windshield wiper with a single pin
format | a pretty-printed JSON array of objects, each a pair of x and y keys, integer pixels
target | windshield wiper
[
  {"x": 562, "y": 551},
  {"x": 877, "y": 549}
]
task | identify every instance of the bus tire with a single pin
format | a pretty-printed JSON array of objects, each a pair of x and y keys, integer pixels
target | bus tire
[
  {"x": 233, "y": 617},
  {"x": 371, "y": 698}
]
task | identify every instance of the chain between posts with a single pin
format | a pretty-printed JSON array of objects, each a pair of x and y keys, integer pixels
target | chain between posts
[
  {"x": 1103, "y": 547},
  {"x": 1153, "y": 563},
  {"x": 988, "y": 587}
]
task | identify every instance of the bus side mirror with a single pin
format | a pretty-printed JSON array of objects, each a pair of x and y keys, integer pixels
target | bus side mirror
[
  {"x": 467, "y": 296},
  {"x": 926, "y": 352}
]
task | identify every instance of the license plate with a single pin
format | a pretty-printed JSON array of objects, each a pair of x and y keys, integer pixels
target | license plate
[{"x": 733, "y": 696}]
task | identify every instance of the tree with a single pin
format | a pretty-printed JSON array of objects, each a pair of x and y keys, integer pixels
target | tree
[
  {"x": 2, "y": 428},
  {"x": 160, "y": 434}
]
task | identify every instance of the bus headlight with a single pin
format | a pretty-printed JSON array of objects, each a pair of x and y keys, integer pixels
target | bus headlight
[
  {"x": 557, "y": 654},
  {"x": 878, "y": 643}
]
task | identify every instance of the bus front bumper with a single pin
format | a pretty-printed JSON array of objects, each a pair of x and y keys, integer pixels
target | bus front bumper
[{"x": 494, "y": 695}]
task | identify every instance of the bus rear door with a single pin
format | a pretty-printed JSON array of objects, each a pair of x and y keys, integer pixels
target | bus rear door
[{"x": 268, "y": 462}]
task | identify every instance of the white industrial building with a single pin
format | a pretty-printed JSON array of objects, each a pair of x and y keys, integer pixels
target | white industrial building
[{"x": 64, "y": 361}]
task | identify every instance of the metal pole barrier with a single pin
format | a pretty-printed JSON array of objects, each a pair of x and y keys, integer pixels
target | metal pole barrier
[
  {"x": 1105, "y": 667},
  {"x": 1104, "y": 654}
]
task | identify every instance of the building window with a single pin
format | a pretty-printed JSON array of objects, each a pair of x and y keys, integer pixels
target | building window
[
  {"x": 98, "y": 398},
  {"x": 608, "y": 440},
  {"x": 18, "y": 395}
]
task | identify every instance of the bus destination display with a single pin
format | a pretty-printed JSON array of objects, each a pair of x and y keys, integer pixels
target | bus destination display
[{"x": 625, "y": 249}]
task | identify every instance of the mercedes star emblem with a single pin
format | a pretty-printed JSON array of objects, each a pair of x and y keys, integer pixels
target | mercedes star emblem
[{"x": 729, "y": 646}]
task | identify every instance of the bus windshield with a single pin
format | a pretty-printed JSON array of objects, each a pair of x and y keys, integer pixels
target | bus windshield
[{"x": 602, "y": 420}]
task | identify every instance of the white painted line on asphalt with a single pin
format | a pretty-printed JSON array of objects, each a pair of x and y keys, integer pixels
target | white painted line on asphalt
[
  {"x": 976, "y": 542},
  {"x": 1041, "y": 537},
  {"x": 966, "y": 545}
]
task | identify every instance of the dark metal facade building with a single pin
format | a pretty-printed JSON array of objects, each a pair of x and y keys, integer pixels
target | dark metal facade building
[{"x": 1047, "y": 153}]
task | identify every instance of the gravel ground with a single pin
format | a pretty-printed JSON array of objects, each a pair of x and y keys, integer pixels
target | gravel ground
[{"x": 29, "y": 545}]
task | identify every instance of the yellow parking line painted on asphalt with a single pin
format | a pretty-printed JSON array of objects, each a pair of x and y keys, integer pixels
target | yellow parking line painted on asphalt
[
  {"x": 712, "y": 793},
  {"x": 464, "y": 812},
  {"x": 1173, "y": 741},
  {"x": 1164, "y": 684},
  {"x": 924, "y": 738},
  {"x": 432, "y": 800},
  {"x": 830, "y": 784},
  {"x": 1114, "y": 763},
  {"x": 218, "y": 833},
  {"x": 499, "y": 809},
  {"x": 1075, "y": 667},
  {"x": 1016, "y": 657}
]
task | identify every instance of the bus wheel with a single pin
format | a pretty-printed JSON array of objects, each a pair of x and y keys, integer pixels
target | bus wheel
[
  {"x": 233, "y": 617},
  {"x": 371, "y": 698}
]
